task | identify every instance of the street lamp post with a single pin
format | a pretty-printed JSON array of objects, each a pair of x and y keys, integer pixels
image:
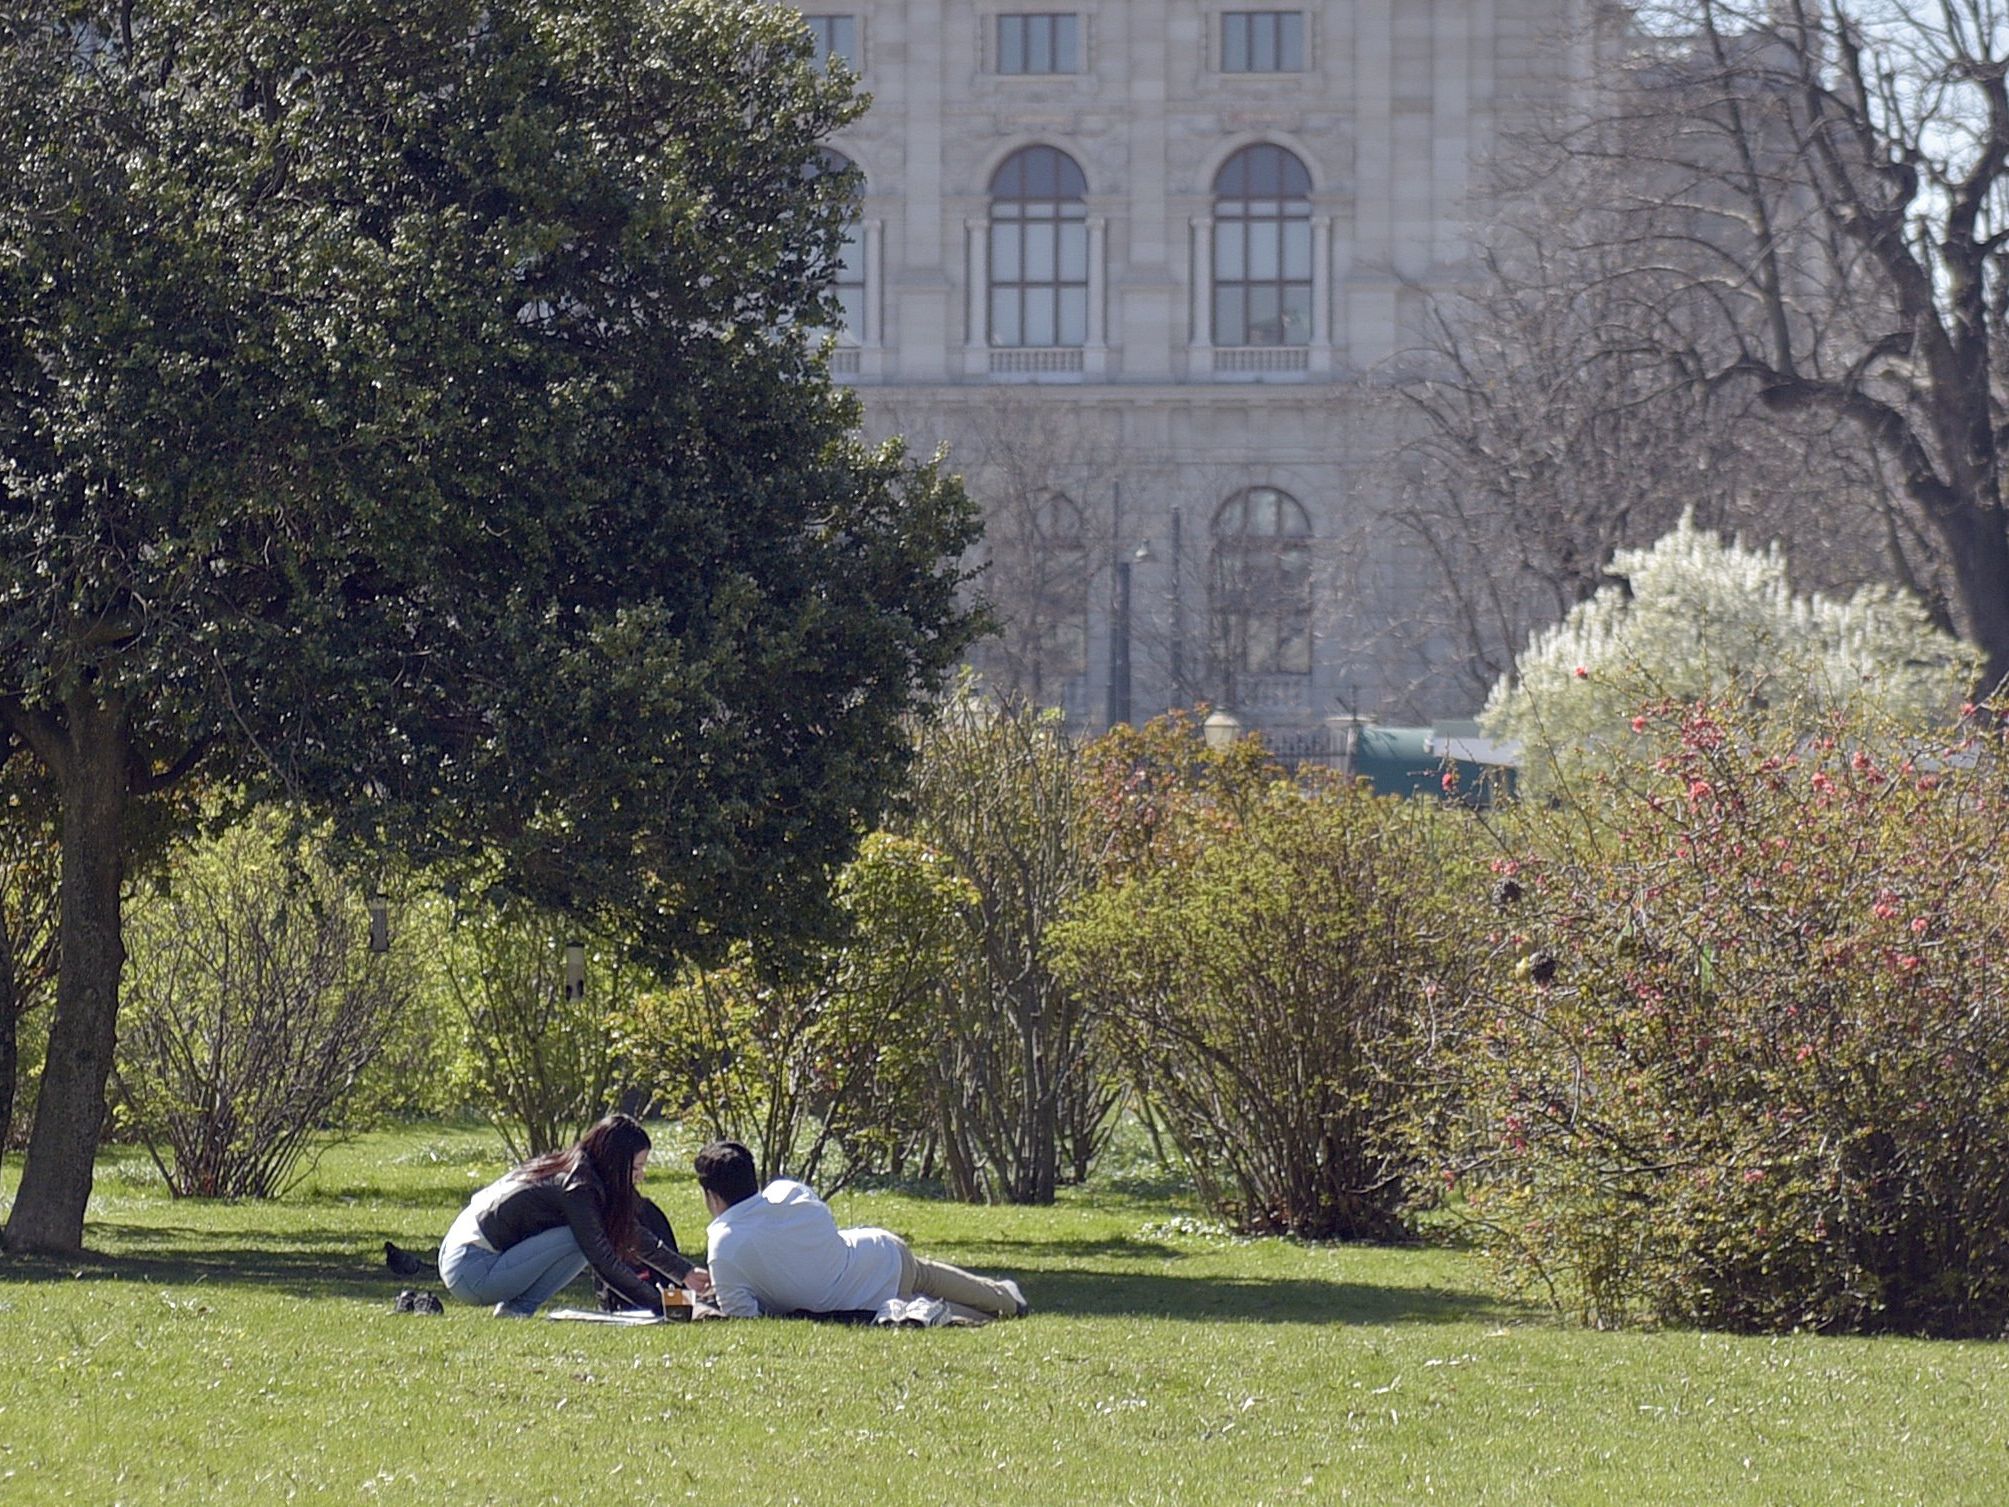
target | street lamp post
[
  {"x": 1119, "y": 648},
  {"x": 1119, "y": 635}
]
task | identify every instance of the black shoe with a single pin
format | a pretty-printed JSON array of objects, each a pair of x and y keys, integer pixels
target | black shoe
[
  {"x": 408, "y": 1302},
  {"x": 425, "y": 1302},
  {"x": 404, "y": 1263}
]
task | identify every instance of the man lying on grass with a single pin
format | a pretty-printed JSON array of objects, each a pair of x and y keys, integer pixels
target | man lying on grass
[{"x": 777, "y": 1250}]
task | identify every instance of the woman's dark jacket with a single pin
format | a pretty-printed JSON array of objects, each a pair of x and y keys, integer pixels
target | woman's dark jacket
[{"x": 512, "y": 1210}]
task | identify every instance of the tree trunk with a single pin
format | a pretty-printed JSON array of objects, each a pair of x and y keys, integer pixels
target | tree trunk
[
  {"x": 10, "y": 1034},
  {"x": 1978, "y": 551},
  {"x": 91, "y": 782}
]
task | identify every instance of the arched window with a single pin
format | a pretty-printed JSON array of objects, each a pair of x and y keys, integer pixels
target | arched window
[
  {"x": 1259, "y": 594},
  {"x": 1038, "y": 253},
  {"x": 1262, "y": 249},
  {"x": 848, "y": 287}
]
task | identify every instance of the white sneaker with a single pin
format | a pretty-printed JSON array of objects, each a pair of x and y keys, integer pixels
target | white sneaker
[
  {"x": 1017, "y": 1297},
  {"x": 507, "y": 1310}
]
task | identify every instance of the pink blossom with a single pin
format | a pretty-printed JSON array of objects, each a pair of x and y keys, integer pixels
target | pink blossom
[
  {"x": 1920, "y": 925},
  {"x": 1581, "y": 673},
  {"x": 1639, "y": 724}
]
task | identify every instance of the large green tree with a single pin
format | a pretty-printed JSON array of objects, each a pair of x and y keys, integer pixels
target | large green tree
[{"x": 416, "y": 408}]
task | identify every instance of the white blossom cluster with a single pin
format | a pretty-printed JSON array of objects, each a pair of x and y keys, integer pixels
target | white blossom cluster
[{"x": 1693, "y": 616}]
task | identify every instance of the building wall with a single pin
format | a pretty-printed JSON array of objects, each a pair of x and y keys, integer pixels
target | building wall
[{"x": 1147, "y": 424}]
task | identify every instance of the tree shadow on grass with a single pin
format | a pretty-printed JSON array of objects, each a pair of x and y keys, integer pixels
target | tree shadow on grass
[
  {"x": 1260, "y": 1300},
  {"x": 1069, "y": 1276},
  {"x": 341, "y": 1264},
  {"x": 1057, "y": 1275}
]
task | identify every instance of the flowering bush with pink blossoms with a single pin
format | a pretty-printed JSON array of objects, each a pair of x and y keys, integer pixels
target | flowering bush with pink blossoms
[{"x": 1743, "y": 1056}]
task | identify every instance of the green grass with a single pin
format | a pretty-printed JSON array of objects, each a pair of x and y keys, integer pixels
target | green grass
[{"x": 246, "y": 1353}]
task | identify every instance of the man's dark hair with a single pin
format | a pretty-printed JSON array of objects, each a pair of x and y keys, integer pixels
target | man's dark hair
[{"x": 726, "y": 1168}]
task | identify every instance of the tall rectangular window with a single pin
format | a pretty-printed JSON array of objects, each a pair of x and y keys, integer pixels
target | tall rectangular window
[
  {"x": 1039, "y": 44},
  {"x": 1262, "y": 41},
  {"x": 835, "y": 37}
]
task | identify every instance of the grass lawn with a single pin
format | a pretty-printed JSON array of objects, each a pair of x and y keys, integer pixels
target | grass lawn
[{"x": 247, "y": 1353}]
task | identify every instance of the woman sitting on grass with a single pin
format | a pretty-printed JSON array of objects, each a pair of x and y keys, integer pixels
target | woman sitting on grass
[{"x": 523, "y": 1238}]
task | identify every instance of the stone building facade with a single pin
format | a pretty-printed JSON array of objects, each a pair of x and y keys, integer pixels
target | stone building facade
[{"x": 1145, "y": 268}]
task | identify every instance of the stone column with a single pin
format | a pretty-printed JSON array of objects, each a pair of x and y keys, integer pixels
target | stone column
[
  {"x": 1320, "y": 355},
  {"x": 1203, "y": 283},
  {"x": 976, "y": 334}
]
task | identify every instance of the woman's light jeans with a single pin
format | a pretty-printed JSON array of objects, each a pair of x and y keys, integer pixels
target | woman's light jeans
[{"x": 521, "y": 1279}]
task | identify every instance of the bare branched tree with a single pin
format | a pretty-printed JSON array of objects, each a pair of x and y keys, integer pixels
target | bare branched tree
[
  {"x": 1801, "y": 214},
  {"x": 1663, "y": 279},
  {"x": 1047, "y": 476}
]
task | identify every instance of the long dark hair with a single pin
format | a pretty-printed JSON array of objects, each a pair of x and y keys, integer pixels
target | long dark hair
[{"x": 610, "y": 1149}]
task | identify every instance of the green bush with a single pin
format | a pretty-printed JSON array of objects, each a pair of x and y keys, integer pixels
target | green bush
[
  {"x": 1024, "y": 1094},
  {"x": 834, "y": 1053},
  {"x": 1742, "y": 1060},
  {"x": 1269, "y": 970},
  {"x": 252, "y": 1009},
  {"x": 540, "y": 1065}
]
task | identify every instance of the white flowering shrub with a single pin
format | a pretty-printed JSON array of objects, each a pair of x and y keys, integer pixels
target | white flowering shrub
[{"x": 1696, "y": 618}]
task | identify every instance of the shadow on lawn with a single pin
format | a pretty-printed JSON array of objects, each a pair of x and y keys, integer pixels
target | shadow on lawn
[
  {"x": 1262, "y": 1300},
  {"x": 345, "y": 1265}
]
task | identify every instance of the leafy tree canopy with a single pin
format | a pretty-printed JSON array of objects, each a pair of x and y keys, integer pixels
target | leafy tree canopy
[{"x": 418, "y": 409}]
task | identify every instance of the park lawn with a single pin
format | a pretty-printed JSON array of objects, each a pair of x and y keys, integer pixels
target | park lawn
[{"x": 247, "y": 1353}]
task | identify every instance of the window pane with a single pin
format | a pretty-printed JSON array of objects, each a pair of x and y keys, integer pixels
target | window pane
[
  {"x": 1261, "y": 654},
  {"x": 1265, "y": 257},
  {"x": 1039, "y": 316},
  {"x": 1004, "y": 253},
  {"x": 1228, "y": 326},
  {"x": 1297, "y": 314},
  {"x": 1067, "y": 44},
  {"x": 1263, "y": 44},
  {"x": 851, "y": 300},
  {"x": 1039, "y": 169},
  {"x": 1297, "y": 250},
  {"x": 1234, "y": 43},
  {"x": 1039, "y": 253},
  {"x": 1073, "y": 317},
  {"x": 1228, "y": 250},
  {"x": 1039, "y": 44},
  {"x": 1004, "y": 316},
  {"x": 1011, "y": 44},
  {"x": 1265, "y": 315},
  {"x": 1074, "y": 252},
  {"x": 1290, "y": 41},
  {"x": 834, "y": 36}
]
